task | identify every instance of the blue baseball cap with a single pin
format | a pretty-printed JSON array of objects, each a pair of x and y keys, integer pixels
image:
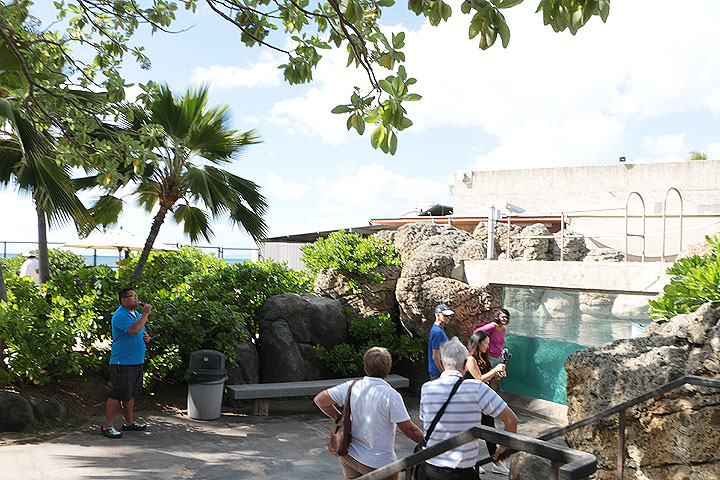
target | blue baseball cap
[{"x": 444, "y": 309}]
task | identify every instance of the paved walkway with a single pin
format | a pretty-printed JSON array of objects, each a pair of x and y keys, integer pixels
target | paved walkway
[{"x": 177, "y": 447}]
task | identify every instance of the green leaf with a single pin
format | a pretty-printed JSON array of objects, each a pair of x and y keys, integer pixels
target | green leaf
[
  {"x": 378, "y": 136},
  {"x": 341, "y": 109},
  {"x": 507, "y": 3},
  {"x": 386, "y": 86},
  {"x": 398, "y": 40},
  {"x": 412, "y": 97}
]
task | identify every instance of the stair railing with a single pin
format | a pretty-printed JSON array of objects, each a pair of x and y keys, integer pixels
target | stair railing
[
  {"x": 565, "y": 463},
  {"x": 620, "y": 410}
]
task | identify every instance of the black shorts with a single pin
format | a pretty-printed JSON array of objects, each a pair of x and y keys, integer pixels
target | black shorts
[{"x": 126, "y": 381}]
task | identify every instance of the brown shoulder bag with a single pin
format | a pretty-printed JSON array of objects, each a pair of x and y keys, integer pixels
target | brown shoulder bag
[{"x": 340, "y": 435}]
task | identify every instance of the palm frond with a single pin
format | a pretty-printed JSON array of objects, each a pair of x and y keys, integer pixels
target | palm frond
[
  {"x": 148, "y": 194},
  {"x": 195, "y": 222},
  {"x": 106, "y": 210}
]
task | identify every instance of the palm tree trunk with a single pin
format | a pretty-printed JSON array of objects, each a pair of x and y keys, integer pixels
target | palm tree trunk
[
  {"x": 3, "y": 290},
  {"x": 154, "y": 230},
  {"x": 42, "y": 245},
  {"x": 3, "y": 297}
]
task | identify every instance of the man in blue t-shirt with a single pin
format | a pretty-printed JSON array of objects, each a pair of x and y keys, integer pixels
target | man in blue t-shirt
[
  {"x": 437, "y": 336},
  {"x": 126, "y": 362}
]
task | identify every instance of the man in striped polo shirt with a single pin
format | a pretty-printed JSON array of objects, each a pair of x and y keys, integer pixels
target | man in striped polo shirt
[{"x": 463, "y": 412}]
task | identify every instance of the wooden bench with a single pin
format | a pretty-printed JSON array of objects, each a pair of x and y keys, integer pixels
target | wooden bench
[{"x": 261, "y": 393}]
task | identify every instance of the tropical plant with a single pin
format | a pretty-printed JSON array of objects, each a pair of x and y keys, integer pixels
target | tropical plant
[
  {"x": 695, "y": 155},
  {"x": 300, "y": 33},
  {"x": 346, "y": 359},
  {"x": 25, "y": 160},
  {"x": 695, "y": 280},
  {"x": 352, "y": 255},
  {"x": 183, "y": 132}
]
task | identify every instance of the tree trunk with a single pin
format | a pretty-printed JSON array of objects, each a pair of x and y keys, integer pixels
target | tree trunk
[
  {"x": 154, "y": 230},
  {"x": 3, "y": 289},
  {"x": 42, "y": 245},
  {"x": 3, "y": 297}
]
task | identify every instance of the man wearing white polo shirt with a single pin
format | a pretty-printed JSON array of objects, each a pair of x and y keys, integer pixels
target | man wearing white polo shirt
[
  {"x": 464, "y": 411},
  {"x": 375, "y": 409}
]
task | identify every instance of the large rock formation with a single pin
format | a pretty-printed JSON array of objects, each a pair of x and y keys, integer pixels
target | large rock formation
[
  {"x": 372, "y": 299},
  {"x": 247, "y": 369},
  {"x": 290, "y": 325},
  {"x": 500, "y": 239},
  {"x": 15, "y": 412},
  {"x": 673, "y": 436}
]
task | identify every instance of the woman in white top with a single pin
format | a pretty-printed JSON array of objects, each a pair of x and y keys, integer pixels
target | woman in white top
[{"x": 375, "y": 409}]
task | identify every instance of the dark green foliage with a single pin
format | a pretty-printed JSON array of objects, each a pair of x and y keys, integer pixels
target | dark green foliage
[
  {"x": 198, "y": 302},
  {"x": 365, "y": 332},
  {"x": 349, "y": 253},
  {"x": 695, "y": 280}
]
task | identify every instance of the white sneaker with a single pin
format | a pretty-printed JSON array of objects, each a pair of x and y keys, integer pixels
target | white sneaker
[
  {"x": 480, "y": 470},
  {"x": 502, "y": 469}
]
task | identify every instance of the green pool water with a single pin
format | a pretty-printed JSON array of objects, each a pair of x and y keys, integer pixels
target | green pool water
[{"x": 536, "y": 367}]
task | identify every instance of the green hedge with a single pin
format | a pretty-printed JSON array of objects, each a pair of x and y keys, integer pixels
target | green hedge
[{"x": 198, "y": 302}]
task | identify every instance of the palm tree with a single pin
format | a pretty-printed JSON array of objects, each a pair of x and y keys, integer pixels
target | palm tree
[
  {"x": 25, "y": 159},
  {"x": 695, "y": 155},
  {"x": 193, "y": 140}
]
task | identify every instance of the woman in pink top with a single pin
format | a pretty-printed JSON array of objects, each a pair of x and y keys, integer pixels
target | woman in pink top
[{"x": 496, "y": 331}]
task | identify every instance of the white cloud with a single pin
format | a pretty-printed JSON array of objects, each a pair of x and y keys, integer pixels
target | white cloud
[
  {"x": 666, "y": 148},
  {"x": 376, "y": 185},
  {"x": 713, "y": 151},
  {"x": 538, "y": 142},
  {"x": 284, "y": 191},
  {"x": 613, "y": 75},
  {"x": 263, "y": 73}
]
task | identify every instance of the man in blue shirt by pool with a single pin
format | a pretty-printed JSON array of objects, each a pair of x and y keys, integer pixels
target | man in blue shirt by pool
[
  {"x": 126, "y": 362},
  {"x": 437, "y": 336}
]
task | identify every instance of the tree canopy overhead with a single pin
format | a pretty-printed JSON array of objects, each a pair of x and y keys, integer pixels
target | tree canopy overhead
[{"x": 308, "y": 27}]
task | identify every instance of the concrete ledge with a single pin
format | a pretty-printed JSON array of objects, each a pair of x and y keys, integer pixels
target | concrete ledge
[
  {"x": 607, "y": 277},
  {"x": 535, "y": 407},
  {"x": 253, "y": 391}
]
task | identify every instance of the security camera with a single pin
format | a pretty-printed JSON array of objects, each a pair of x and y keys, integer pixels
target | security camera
[
  {"x": 621, "y": 159},
  {"x": 513, "y": 208}
]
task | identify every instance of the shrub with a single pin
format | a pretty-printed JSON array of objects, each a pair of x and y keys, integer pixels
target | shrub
[
  {"x": 695, "y": 280},
  {"x": 198, "y": 302},
  {"x": 353, "y": 256},
  {"x": 365, "y": 332}
]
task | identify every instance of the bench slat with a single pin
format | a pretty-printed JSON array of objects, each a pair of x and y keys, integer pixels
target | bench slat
[{"x": 297, "y": 389}]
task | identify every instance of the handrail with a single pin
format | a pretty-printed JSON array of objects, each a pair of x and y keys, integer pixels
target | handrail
[
  {"x": 620, "y": 409},
  {"x": 641, "y": 235},
  {"x": 577, "y": 464},
  {"x": 662, "y": 255}
]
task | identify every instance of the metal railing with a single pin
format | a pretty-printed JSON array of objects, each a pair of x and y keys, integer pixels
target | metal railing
[
  {"x": 680, "y": 215},
  {"x": 641, "y": 235},
  {"x": 621, "y": 408},
  {"x": 565, "y": 463},
  {"x": 221, "y": 251}
]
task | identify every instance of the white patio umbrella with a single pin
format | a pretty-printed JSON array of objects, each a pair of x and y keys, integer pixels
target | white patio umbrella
[{"x": 117, "y": 239}]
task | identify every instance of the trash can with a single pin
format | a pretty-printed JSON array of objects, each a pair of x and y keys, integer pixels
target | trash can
[{"x": 206, "y": 384}]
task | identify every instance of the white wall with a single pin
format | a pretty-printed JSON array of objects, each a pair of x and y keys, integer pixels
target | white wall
[
  {"x": 283, "y": 252},
  {"x": 565, "y": 189}
]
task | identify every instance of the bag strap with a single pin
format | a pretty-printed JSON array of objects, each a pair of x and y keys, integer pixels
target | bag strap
[
  {"x": 347, "y": 402},
  {"x": 441, "y": 411}
]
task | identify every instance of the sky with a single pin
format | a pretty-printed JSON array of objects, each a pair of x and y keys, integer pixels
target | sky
[{"x": 643, "y": 85}]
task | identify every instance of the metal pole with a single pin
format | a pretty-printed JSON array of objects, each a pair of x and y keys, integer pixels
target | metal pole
[
  {"x": 554, "y": 470},
  {"x": 507, "y": 252},
  {"x": 562, "y": 236},
  {"x": 621, "y": 444},
  {"x": 491, "y": 234}
]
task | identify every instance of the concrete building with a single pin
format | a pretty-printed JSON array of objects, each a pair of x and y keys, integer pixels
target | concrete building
[{"x": 595, "y": 199}]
